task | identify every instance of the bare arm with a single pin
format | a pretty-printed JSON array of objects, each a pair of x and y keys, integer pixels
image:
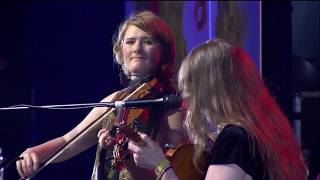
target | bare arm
[
  {"x": 226, "y": 172},
  {"x": 170, "y": 131},
  {"x": 216, "y": 172},
  {"x": 35, "y": 155},
  {"x": 149, "y": 155},
  {"x": 171, "y": 128}
]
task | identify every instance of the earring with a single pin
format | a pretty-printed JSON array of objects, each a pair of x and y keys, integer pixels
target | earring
[
  {"x": 124, "y": 68},
  {"x": 123, "y": 75}
]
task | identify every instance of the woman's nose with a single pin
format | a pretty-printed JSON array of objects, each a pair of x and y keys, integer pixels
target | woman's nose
[{"x": 137, "y": 47}]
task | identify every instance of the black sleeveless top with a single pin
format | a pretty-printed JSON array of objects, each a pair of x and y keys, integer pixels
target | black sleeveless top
[{"x": 234, "y": 146}]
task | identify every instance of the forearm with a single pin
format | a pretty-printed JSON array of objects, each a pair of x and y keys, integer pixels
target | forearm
[
  {"x": 46, "y": 149},
  {"x": 51, "y": 147},
  {"x": 81, "y": 137},
  {"x": 76, "y": 146}
]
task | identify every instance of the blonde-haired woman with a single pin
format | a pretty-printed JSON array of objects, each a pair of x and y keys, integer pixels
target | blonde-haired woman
[
  {"x": 232, "y": 117},
  {"x": 143, "y": 47}
]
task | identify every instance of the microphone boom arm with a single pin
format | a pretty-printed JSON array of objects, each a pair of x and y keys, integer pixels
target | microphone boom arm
[{"x": 170, "y": 101}]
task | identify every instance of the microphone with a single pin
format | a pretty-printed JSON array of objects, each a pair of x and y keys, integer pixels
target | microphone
[{"x": 168, "y": 101}]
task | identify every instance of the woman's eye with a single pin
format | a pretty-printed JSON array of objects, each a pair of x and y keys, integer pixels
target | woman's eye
[
  {"x": 129, "y": 42},
  {"x": 149, "y": 42}
]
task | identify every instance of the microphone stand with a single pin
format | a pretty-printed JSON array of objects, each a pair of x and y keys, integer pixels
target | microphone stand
[
  {"x": 66, "y": 106},
  {"x": 6, "y": 163},
  {"x": 61, "y": 107}
]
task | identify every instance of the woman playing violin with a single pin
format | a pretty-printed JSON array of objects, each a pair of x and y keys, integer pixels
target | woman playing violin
[
  {"x": 144, "y": 46},
  {"x": 232, "y": 118}
]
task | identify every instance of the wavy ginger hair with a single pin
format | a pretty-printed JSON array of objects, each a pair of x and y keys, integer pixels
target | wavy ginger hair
[
  {"x": 159, "y": 30},
  {"x": 222, "y": 86}
]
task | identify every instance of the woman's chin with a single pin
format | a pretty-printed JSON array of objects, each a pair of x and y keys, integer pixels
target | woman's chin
[
  {"x": 140, "y": 75},
  {"x": 138, "y": 72}
]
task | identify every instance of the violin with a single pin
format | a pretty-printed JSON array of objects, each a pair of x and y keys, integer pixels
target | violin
[
  {"x": 125, "y": 127},
  {"x": 107, "y": 118},
  {"x": 122, "y": 134},
  {"x": 180, "y": 156},
  {"x": 122, "y": 122}
]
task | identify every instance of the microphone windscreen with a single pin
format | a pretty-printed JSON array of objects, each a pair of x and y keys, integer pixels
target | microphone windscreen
[{"x": 172, "y": 101}]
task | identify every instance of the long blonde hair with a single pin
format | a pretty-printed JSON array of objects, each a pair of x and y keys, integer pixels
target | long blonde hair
[{"x": 222, "y": 86}]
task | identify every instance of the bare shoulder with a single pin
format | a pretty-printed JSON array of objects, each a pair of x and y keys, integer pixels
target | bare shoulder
[
  {"x": 227, "y": 171},
  {"x": 110, "y": 97},
  {"x": 174, "y": 118},
  {"x": 93, "y": 116},
  {"x": 171, "y": 127}
]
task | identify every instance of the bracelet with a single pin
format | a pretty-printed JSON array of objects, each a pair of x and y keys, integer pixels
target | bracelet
[
  {"x": 161, "y": 167},
  {"x": 159, "y": 177}
]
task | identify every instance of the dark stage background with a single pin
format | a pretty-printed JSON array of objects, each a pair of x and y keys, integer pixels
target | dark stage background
[
  {"x": 54, "y": 53},
  {"x": 60, "y": 53}
]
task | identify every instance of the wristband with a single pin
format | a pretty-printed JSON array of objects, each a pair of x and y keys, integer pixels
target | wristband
[
  {"x": 161, "y": 167},
  {"x": 159, "y": 177}
]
